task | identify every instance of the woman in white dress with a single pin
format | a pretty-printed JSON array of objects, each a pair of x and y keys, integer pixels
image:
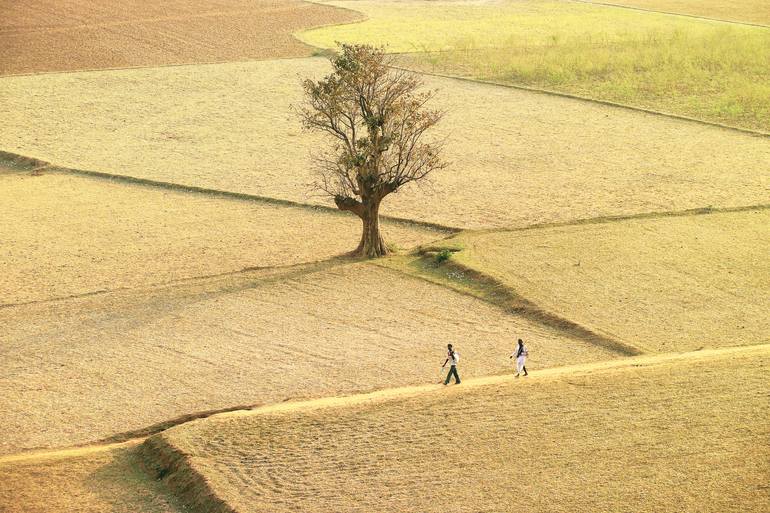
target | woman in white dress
[{"x": 521, "y": 358}]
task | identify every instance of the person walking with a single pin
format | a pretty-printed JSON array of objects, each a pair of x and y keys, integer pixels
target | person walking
[
  {"x": 521, "y": 358},
  {"x": 452, "y": 359}
]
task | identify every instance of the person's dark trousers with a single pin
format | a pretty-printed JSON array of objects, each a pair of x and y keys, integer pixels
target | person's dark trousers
[{"x": 452, "y": 372}]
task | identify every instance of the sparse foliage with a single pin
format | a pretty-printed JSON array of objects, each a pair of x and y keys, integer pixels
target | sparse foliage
[
  {"x": 376, "y": 116},
  {"x": 442, "y": 256}
]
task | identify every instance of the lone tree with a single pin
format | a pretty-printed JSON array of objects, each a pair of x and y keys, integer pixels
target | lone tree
[{"x": 376, "y": 117}]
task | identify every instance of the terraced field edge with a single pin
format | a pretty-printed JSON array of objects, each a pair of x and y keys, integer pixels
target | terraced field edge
[
  {"x": 166, "y": 463},
  {"x": 491, "y": 290}
]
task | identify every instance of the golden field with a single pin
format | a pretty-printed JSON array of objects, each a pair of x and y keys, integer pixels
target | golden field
[
  {"x": 131, "y": 359},
  {"x": 665, "y": 284},
  {"x": 168, "y": 349},
  {"x": 747, "y": 11},
  {"x": 531, "y": 159},
  {"x": 682, "y": 431},
  {"x": 46, "y": 35},
  {"x": 692, "y": 67},
  {"x": 66, "y": 236}
]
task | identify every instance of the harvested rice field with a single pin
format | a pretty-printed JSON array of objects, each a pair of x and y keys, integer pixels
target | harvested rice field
[
  {"x": 533, "y": 158},
  {"x": 85, "y": 369},
  {"x": 665, "y": 284},
  {"x": 184, "y": 327},
  {"x": 683, "y": 432},
  {"x": 746, "y": 11},
  {"x": 48, "y": 35},
  {"x": 67, "y": 236},
  {"x": 84, "y": 481}
]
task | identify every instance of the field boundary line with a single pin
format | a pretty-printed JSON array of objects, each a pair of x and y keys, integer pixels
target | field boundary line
[
  {"x": 386, "y": 395},
  {"x": 362, "y": 17},
  {"x": 66, "y": 452},
  {"x": 689, "y": 212},
  {"x": 669, "y": 13},
  {"x": 160, "y": 66},
  {"x": 16, "y": 159},
  {"x": 549, "y": 92},
  {"x": 307, "y": 267}
]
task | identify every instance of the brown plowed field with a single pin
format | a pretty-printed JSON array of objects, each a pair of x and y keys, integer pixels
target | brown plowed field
[
  {"x": 533, "y": 158},
  {"x": 84, "y": 369},
  {"x": 50, "y": 35},
  {"x": 651, "y": 437}
]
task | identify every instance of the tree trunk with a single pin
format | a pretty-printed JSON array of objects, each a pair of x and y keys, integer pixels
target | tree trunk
[{"x": 372, "y": 245}]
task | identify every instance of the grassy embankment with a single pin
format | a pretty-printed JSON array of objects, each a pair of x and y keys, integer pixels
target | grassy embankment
[{"x": 704, "y": 69}]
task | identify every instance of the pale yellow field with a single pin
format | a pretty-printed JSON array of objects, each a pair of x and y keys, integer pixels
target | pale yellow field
[
  {"x": 65, "y": 236},
  {"x": 651, "y": 436},
  {"x": 532, "y": 158},
  {"x": 97, "y": 482},
  {"x": 699, "y": 68},
  {"x": 430, "y": 25},
  {"x": 750, "y": 11},
  {"x": 668, "y": 284},
  {"x": 82, "y": 370}
]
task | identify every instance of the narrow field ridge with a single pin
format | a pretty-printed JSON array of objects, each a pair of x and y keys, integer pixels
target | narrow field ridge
[
  {"x": 671, "y": 13},
  {"x": 702, "y": 211},
  {"x": 69, "y": 452},
  {"x": 301, "y": 268},
  {"x": 393, "y": 394}
]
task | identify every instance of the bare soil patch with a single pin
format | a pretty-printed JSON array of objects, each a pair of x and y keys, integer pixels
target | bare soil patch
[
  {"x": 667, "y": 284},
  {"x": 64, "y": 235},
  {"x": 48, "y": 35},
  {"x": 532, "y": 158},
  {"x": 685, "y": 435}
]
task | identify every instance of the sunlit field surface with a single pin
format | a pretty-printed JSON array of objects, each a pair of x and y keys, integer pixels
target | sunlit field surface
[
  {"x": 667, "y": 284},
  {"x": 655, "y": 436},
  {"x": 699, "y": 68},
  {"x": 83, "y": 370},
  {"x": 530, "y": 159},
  {"x": 183, "y": 327}
]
